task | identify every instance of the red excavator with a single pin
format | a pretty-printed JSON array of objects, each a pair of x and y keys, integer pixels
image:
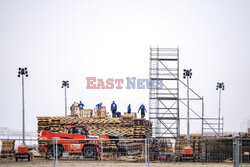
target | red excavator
[{"x": 75, "y": 141}]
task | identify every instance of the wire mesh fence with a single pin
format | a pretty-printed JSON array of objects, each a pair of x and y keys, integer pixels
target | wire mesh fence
[{"x": 143, "y": 152}]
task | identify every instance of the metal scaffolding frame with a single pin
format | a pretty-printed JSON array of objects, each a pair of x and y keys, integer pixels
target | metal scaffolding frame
[{"x": 164, "y": 98}]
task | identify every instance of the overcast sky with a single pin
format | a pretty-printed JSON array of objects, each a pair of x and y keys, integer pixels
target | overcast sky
[{"x": 71, "y": 40}]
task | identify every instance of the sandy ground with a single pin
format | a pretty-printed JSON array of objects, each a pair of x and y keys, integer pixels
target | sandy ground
[{"x": 43, "y": 163}]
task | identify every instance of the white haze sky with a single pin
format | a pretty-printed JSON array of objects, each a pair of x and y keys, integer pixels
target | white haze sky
[{"x": 74, "y": 39}]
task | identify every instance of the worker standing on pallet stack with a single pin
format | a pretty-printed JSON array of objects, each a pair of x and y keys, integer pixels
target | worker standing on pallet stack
[
  {"x": 129, "y": 109},
  {"x": 143, "y": 110},
  {"x": 80, "y": 105},
  {"x": 99, "y": 108},
  {"x": 113, "y": 109}
]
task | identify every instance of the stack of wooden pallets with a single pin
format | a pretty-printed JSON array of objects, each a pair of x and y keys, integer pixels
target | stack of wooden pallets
[
  {"x": 130, "y": 115},
  {"x": 8, "y": 148},
  {"x": 87, "y": 113},
  {"x": 211, "y": 148},
  {"x": 120, "y": 127}
]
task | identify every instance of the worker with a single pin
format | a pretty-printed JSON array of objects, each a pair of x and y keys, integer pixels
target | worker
[
  {"x": 118, "y": 114},
  {"x": 113, "y": 109},
  {"x": 99, "y": 108},
  {"x": 99, "y": 105},
  {"x": 80, "y": 105},
  {"x": 129, "y": 109},
  {"x": 143, "y": 110}
]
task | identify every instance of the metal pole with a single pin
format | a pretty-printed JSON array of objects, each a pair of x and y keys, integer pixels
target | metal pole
[
  {"x": 178, "y": 101},
  {"x": 219, "y": 111},
  {"x": 145, "y": 153},
  {"x": 56, "y": 152},
  {"x": 23, "y": 110},
  {"x": 101, "y": 153},
  {"x": 202, "y": 118},
  {"x": 54, "y": 157},
  {"x": 222, "y": 128},
  {"x": 65, "y": 101},
  {"x": 236, "y": 153},
  {"x": 188, "y": 134}
]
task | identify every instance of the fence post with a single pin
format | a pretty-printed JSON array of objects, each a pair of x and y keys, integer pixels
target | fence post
[
  {"x": 54, "y": 158},
  {"x": 56, "y": 152},
  {"x": 101, "y": 153},
  {"x": 236, "y": 152},
  {"x": 146, "y": 153}
]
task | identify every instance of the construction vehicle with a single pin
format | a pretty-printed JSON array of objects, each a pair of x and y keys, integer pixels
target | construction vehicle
[
  {"x": 187, "y": 154},
  {"x": 75, "y": 141},
  {"x": 23, "y": 153}
]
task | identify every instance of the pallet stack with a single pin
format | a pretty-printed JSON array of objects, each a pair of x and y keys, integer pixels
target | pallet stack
[
  {"x": 207, "y": 148},
  {"x": 130, "y": 115},
  {"x": 87, "y": 113},
  {"x": 128, "y": 128},
  {"x": 245, "y": 141},
  {"x": 8, "y": 148}
]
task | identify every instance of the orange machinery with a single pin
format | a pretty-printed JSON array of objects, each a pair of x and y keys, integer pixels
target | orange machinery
[
  {"x": 75, "y": 141},
  {"x": 23, "y": 153},
  {"x": 187, "y": 153}
]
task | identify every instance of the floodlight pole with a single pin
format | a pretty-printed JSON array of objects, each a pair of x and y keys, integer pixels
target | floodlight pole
[
  {"x": 65, "y": 100},
  {"x": 219, "y": 111},
  {"x": 187, "y": 74},
  {"x": 23, "y": 110},
  {"x": 65, "y": 85},
  {"x": 24, "y": 73},
  {"x": 188, "y": 132},
  {"x": 220, "y": 87}
]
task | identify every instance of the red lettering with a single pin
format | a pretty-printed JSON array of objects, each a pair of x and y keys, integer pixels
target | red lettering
[
  {"x": 119, "y": 81},
  {"x": 110, "y": 84},
  {"x": 100, "y": 84},
  {"x": 90, "y": 82}
]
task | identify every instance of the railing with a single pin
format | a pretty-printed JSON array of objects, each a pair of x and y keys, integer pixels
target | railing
[{"x": 135, "y": 152}]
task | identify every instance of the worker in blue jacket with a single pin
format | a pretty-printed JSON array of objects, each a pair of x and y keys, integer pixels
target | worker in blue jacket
[
  {"x": 99, "y": 105},
  {"x": 143, "y": 110},
  {"x": 129, "y": 109},
  {"x": 113, "y": 109},
  {"x": 80, "y": 105},
  {"x": 118, "y": 114}
]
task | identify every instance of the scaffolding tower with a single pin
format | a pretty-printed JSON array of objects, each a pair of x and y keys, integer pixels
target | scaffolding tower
[
  {"x": 164, "y": 96},
  {"x": 165, "y": 100}
]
